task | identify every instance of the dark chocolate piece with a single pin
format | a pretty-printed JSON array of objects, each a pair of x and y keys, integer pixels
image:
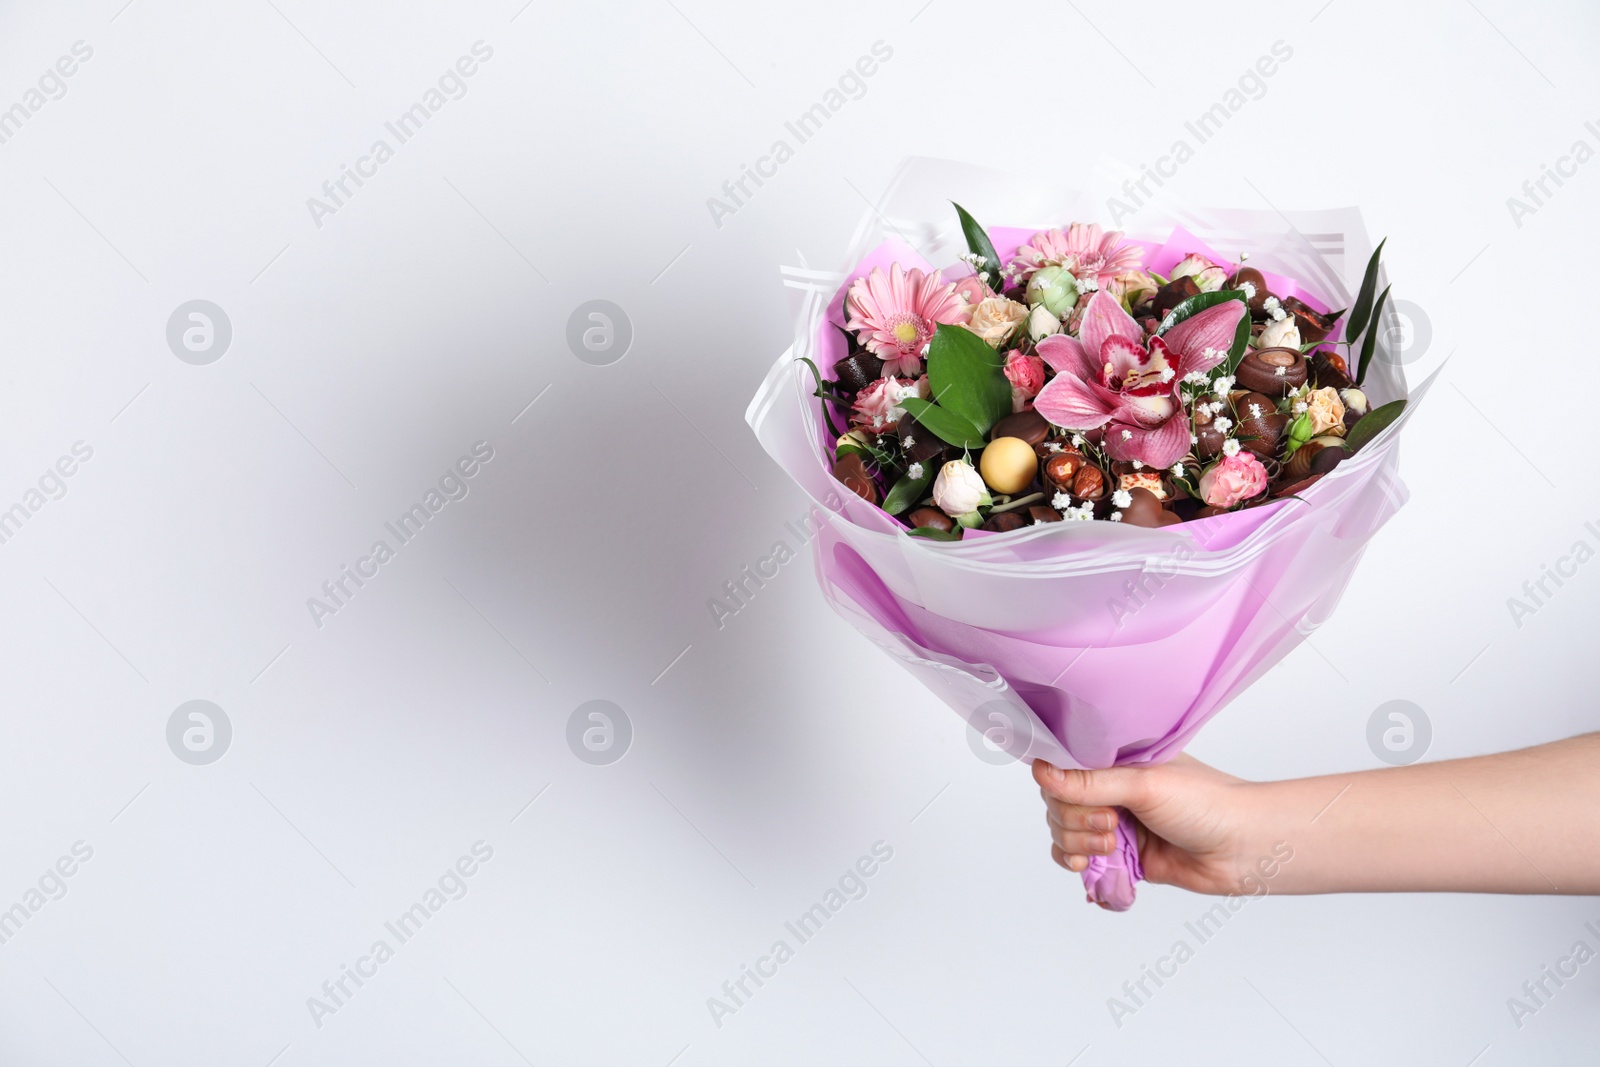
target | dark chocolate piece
[
  {"x": 851, "y": 469},
  {"x": 930, "y": 519},
  {"x": 1042, "y": 514},
  {"x": 1004, "y": 522},
  {"x": 1313, "y": 325},
  {"x": 1174, "y": 293},
  {"x": 1029, "y": 426},
  {"x": 857, "y": 372},
  {"x": 925, "y": 448},
  {"x": 1328, "y": 368},
  {"x": 1257, "y": 282}
]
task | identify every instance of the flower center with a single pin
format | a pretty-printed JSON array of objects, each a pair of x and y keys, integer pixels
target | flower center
[{"x": 905, "y": 332}]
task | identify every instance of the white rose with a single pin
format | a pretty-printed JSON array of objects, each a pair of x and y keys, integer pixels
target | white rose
[
  {"x": 1042, "y": 324},
  {"x": 959, "y": 489},
  {"x": 1281, "y": 334},
  {"x": 996, "y": 319}
]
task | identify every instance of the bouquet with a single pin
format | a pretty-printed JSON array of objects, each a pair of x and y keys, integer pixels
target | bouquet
[{"x": 1088, "y": 487}]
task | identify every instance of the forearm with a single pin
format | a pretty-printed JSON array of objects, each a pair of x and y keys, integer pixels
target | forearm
[{"x": 1516, "y": 822}]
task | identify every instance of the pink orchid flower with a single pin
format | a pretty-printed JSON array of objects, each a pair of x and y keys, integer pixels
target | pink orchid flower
[{"x": 1111, "y": 376}]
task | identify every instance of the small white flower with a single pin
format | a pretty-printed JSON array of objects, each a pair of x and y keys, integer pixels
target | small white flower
[
  {"x": 1115, "y": 516},
  {"x": 1138, "y": 465},
  {"x": 1230, "y": 447},
  {"x": 1127, "y": 435},
  {"x": 914, "y": 471},
  {"x": 1270, "y": 303},
  {"x": 1061, "y": 502},
  {"x": 1223, "y": 385},
  {"x": 1243, "y": 256},
  {"x": 1167, "y": 374},
  {"x": 1222, "y": 425},
  {"x": 1278, "y": 314},
  {"x": 1077, "y": 440},
  {"x": 1197, "y": 377},
  {"x": 1300, "y": 407},
  {"x": 1279, "y": 371},
  {"x": 908, "y": 441},
  {"x": 1177, "y": 470},
  {"x": 1121, "y": 498},
  {"x": 1194, "y": 439},
  {"x": 1255, "y": 411},
  {"x": 1248, "y": 290},
  {"x": 1053, "y": 446},
  {"x": 1088, "y": 285},
  {"x": 1217, "y": 408}
]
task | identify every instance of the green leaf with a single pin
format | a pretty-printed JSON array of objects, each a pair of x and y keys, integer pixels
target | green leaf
[
  {"x": 968, "y": 377},
  {"x": 1196, "y": 304},
  {"x": 1241, "y": 341},
  {"x": 980, "y": 245},
  {"x": 935, "y": 535},
  {"x": 1369, "y": 345},
  {"x": 943, "y": 423},
  {"x": 827, "y": 415},
  {"x": 908, "y": 490},
  {"x": 1372, "y": 424},
  {"x": 1362, "y": 308}
]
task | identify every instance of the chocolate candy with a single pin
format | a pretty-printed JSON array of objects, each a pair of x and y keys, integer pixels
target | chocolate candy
[
  {"x": 1211, "y": 438},
  {"x": 1004, "y": 522},
  {"x": 1008, "y": 464},
  {"x": 1144, "y": 509},
  {"x": 1257, "y": 282},
  {"x": 1328, "y": 368},
  {"x": 857, "y": 372},
  {"x": 925, "y": 448},
  {"x": 1174, "y": 293},
  {"x": 1029, "y": 426},
  {"x": 1309, "y": 459},
  {"x": 1313, "y": 325},
  {"x": 851, "y": 469},
  {"x": 1058, "y": 469},
  {"x": 1273, "y": 371},
  {"x": 1260, "y": 427},
  {"x": 1040, "y": 514},
  {"x": 1295, "y": 487},
  {"x": 1148, "y": 480},
  {"x": 1089, "y": 484},
  {"x": 931, "y": 519}
]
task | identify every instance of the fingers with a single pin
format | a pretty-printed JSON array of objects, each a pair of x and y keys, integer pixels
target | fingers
[
  {"x": 1077, "y": 817},
  {"x": 1124, "y": 786},
  {"x": 1081, "y": 843}
]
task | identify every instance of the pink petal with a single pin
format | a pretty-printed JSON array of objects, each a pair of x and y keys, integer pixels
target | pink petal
[
  {"x": 1159, "y": 448},
  {"x": 1124, "y": 357},
  {"x": 1074, "y": 404},
  {"x": 1212, "y": 329},
  {"x": 1104, "y": 318},
  {"x": 1066, "y": 355}
]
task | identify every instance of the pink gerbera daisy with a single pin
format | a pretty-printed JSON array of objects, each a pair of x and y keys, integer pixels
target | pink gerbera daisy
[
  {"x": 1082, "y": 248},
  {"x": 895, "y": 314}
]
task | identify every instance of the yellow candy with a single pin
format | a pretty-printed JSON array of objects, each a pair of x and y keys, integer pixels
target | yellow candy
[{"x": 1008, "y": 464}]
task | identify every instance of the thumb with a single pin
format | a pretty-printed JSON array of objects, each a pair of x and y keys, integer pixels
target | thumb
[{"x": 1127, "y": 787}]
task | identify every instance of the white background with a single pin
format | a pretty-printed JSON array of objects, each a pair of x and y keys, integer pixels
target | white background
[{"x": 370, "y": 352}]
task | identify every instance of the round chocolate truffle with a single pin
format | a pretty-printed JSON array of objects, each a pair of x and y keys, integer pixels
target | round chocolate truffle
[
  {"x": 1008, "y": 464},
  {"x": 1273, "y": 371}
]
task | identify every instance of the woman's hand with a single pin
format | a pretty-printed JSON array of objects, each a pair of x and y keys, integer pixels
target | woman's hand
[
  {"x": 1514, "y": 822},
  {"x": 1197, "y": 828}
]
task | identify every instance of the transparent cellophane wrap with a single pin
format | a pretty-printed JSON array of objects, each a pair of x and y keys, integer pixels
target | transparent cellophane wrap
[{"x": 1086, "y": 644}]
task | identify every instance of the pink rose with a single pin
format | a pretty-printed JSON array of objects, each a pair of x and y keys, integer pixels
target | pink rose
[
  {"x": 1234, "y": 480},
  {"x": 877, "y": 407},
  {"x": 1025, "y": 373}
]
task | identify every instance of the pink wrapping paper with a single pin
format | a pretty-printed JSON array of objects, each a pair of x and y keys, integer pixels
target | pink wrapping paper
[{"x": 1087, "y": 644}]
